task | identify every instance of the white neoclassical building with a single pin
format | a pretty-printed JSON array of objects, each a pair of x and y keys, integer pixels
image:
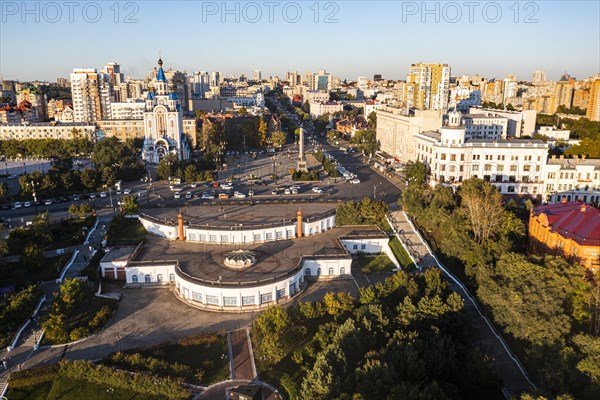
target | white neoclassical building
[
  {"x": 247, "y": 268},
  {"x": 163, "y": 122}
]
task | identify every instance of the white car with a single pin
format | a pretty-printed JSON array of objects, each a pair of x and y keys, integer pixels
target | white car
[
  {"x": 207, "y": 196},
  {"x": 92, "y": 196},
  {"x": 127, "y": 191},
  {"x": 27, "y": 204},
  {"x": 251, "y": 193},
  {"x": 188, "y": 195},
  {"x": 226, "y": 186},
  {"x": 294, "y": 191},
  {"x": 355, "y": 181},
  {"x": 194, "y": 184},
  {"x": 48, "y": 202},
  {"x": 295, "y": 187},
  {"x": 287, "y": 191},
  {"x": 18, "y": 204},
  {"x": 103, "y": 194},
  {"x": 239, "y": 195},
  {"x": 317, "y": 190},
  {"x": 177, "y": 195}
]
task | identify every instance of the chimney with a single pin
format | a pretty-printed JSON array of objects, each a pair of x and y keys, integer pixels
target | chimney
[
  {"x": 299, "y": 222},
  {"x": 180, "y": 221}
]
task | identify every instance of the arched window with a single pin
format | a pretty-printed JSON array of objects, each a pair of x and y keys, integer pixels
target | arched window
[
  {"x": 171, "y": 277},
  {"x": 331, "y": 271},
  {"x": 307, "y": 272},
  {"x": 342, "y": 270},
  {"x": 147, "y": 278},
  {"x": 134, "y": 279},
  {"x": 318, "y": 271},
  {"x": 159, "y": 278}
]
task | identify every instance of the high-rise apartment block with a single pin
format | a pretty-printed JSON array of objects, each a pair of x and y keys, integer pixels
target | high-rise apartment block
[
  {"x": 593, "y": 108},
  {"x": 538, "y": 76},
  {"x": 91, "y": 94},
  {"x": 428, "y": 86}
]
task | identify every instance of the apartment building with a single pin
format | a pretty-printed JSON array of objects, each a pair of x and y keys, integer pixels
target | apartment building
[
  {"x": 91, "y": 95},
  {"x": 571, "y": 179},
  {"x": 428, "y": 86},
  {"x": 47, "y": 130}
]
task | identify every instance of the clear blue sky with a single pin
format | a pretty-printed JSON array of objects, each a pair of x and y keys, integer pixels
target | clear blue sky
[{"x": 369, "y": 37}]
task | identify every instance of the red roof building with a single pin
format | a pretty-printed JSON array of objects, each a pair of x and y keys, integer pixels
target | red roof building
[{"x": 570, "y": 229}]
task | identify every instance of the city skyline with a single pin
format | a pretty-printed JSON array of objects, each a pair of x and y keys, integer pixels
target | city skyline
[{"x": 363, "y": 34}]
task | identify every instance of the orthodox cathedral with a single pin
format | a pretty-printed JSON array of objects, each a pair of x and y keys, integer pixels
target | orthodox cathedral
[{"x": 163, "y": 122}]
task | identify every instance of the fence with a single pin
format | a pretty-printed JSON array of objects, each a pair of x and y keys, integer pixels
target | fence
[
  {"x": 26, "y": 324},
  {"x": 67, "y": 266}
]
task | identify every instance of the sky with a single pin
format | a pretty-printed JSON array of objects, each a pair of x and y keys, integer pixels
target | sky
[{"x": 44, "y": 40}]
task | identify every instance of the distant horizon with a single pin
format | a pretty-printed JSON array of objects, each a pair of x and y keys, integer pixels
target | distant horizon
[{"x": 45, "y": 41}]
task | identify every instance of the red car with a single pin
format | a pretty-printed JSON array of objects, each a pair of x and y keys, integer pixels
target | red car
[{"x": 216, "y": 184}]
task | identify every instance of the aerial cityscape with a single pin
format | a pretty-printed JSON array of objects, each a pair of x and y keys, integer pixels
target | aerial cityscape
[{"x": 307, "y": 201}]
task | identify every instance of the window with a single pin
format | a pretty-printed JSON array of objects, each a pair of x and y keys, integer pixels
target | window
[
  {"x": 319, "y": 271},
  {"x": 257, "y": 237},
  {"x": 159, "y": 278},
  {"x": 279, "y": 235},
  {"x": 147, "y": 278},
  {"x": 134, "y": 279},
  {"x": 510, "y": 189},
  {"x": 248, "y": 300},
  {"x": 212, "y": 238},
  {"x": 266, "y": 297},
  {"x": 269, "y": 236},
  {"x": 475, "y": 167},
  {"x": 224, "y": 238},
  {"x": 196, "y": 296},
  {"x": 212, "y": 300},
  {"x": 342, "y": 270},
  {"x": 171, "y": 277},
  {"x": 354, "y": 247},
  {"x": 452, "y": 157},
  {"x": 229, "y": 301},
  {"x": 363, "y": 246},
  {"x": 280, "y": 293},
  {"x": 307, "y": 272},
  {"x": 330, "y": 271}
]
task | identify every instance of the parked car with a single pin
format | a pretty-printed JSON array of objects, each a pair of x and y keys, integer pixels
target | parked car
[
  {"x": 188, "y": 195},
  {"x": 239, "y": 195},
  {"x": 251, "y": 193},
  {"x": 294, "y": 191},
  {"x": 19, "y": 205},
  {"x": 297, "y": 187},
  {"x": 103, "y": 194},
  {"x": 223, "y": 196},
  {"x": 92, "y": 196},
  {"x": 177, "y": 195},
  {"x": 317, "y": 190},
  {"x": 194, "y": 184},
  {"x": 208, "y": 196},
  {"x": 126, "y": 191},
  {"x": 27, "y": 204},
  {"x": 227, "y": 186},
  {"x": 355, "y": 181},
  {"x": 216, "y": 184},
  {"x": 274, "y": 192},
  {"x": 287, "y": 191}
]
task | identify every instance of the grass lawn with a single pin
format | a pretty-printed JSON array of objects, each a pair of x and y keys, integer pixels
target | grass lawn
[
  {"x": 402, "y": 256},
  {"x": 68, "y": 389},
  {"x": 378, "y": 263},
  {"x": 202, "y": 352},
  {"x": 126, "y": 231}
]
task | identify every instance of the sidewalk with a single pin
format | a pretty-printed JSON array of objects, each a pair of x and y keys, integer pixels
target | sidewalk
[{"x": 506, "y": 366}]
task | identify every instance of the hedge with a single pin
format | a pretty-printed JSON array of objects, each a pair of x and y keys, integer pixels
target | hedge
[{"x": 33, "y": 376}]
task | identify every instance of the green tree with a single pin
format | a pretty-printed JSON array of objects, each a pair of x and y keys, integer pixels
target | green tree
[
  {"x": 262, "y": 131},
  {"x": 366, "y": 141},
  {"x": 415, "y": 172},
  {"x": 89, "y": 178},
  {"x": 33, "y": 259},
  {"x": 338, "y": 303},
  {"x": 48, "y": 185},
  {"x": 130, "y": 205},
  {"x": 483, "y": 203},
  {"x": 372, "y": 119},
  {"x": 279, "y": 138},
  {"x": 190, "y": 173}
]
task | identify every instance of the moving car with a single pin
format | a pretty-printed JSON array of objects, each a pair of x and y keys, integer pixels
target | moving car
[{"x": 194, "y": 184}]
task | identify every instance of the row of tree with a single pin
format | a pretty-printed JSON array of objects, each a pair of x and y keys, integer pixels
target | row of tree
[
  {"x": 549, "y": 305},
  {"x": 46, "y": 148}
]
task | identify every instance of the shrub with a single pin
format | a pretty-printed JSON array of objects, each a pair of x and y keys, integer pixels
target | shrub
[
  {"x": 100, "y": 318},
  {"x": 33, "y": 376},
  {"x": 79, "y": 333},
  {"x": 18, "y": 307}
]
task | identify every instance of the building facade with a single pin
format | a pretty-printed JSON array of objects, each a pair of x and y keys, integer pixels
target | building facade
[
  {"x": 593, "y": 108},
  {"x": 572, "y": 179},
  {"x": 568, "y": 229},
  {"x": 319, "y": 108},
  {"x": 396, "y": 130},
  {"x": 514, "y": 166},
  {"x": 91, "y": 95},
  {"x": 163, "y": 122},
  {"x": 48, "y": 130}
]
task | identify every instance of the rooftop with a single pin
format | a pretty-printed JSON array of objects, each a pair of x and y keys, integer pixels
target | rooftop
[
  {"x": 118, "y": 254},
  {"x": 573, "y": 220}
]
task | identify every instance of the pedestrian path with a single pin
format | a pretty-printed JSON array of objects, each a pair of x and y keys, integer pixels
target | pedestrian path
[
  {"x": 507, "y": 366},
  {"x": 242, "y": 357}
]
